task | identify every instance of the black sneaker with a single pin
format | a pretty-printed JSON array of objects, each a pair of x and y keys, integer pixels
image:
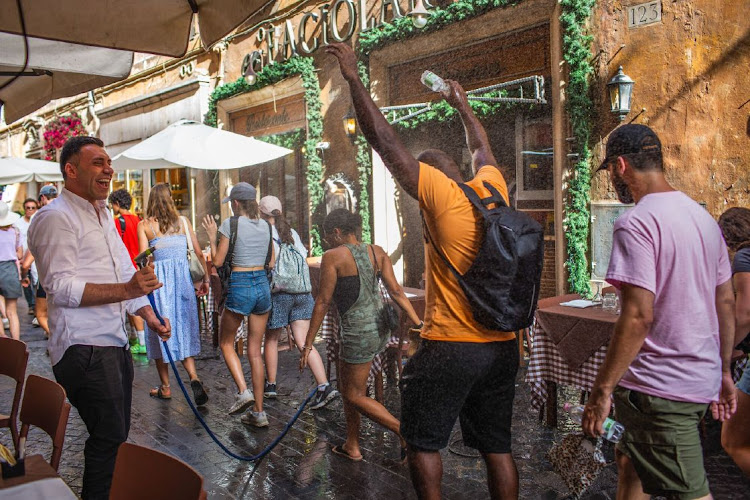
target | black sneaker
[
  {"x": 323, "y": 397},
  {"x": 270, "y": 391}
]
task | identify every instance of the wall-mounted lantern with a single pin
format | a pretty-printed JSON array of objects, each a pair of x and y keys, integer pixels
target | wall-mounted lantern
[
  {"x": 350, "y": 125},
  {"x": 419, "y": 15},
  {"x": 620, "y": 92}
]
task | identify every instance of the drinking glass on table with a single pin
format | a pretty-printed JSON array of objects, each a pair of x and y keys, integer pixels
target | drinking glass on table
[{"x": 609, "y": 302}]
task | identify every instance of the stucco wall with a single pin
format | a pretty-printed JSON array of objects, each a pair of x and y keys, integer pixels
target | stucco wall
[{"x": 691, "y": 75}]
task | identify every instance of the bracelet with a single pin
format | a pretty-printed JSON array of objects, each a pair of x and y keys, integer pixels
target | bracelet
[{"x": 308, "y": 348}]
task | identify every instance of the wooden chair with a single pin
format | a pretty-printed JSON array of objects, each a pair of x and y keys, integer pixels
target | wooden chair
[
  {"x": 159, "y": 476},
  {"x": 44, "y": 406},
  {"x": 13, "y": 359}
]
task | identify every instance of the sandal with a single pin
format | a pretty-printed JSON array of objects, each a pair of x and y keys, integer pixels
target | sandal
[
  {"x": 339, "y": 450},
  {"x": 157, "y": 392},
  {"x": 199, "y": 394}
]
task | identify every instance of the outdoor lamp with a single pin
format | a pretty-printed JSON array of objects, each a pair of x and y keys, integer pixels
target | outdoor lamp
[
  {"x": 350, "y": 124},
  {"x": 620, "y": 91},
  {"x": 419, "y": 15}
]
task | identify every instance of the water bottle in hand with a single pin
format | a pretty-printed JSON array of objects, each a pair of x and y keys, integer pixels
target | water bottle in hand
[
  {"x": 434, "y": 82},
  {"x": 612, "y": 430}
]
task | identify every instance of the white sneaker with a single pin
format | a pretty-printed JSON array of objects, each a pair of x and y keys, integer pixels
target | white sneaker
[
  {"x": 256, "y": 419},
  {"x": 34, "y": 321},
  {"x": 241, "y": 402}
]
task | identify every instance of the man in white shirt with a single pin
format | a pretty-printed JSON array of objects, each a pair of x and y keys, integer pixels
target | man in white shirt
[
  {"x": 91, "y": 285},
  {"x": 30, "y": 206}
]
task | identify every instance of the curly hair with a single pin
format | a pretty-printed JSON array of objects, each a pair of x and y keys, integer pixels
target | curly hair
[
  {"x": 121, "y": 197},
  {"x": 161, "y": 207},
  {"x": 343, "y": 220},
  {"x": 735, "y": 225}
]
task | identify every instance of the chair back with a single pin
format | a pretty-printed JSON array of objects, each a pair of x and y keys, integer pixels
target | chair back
[
  {"x": 44, "y": 406},
  {"x": 13, "y": 360},
  {"x": 159, "y": 476}
]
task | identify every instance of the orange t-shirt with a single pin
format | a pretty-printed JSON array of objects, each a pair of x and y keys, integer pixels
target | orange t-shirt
[{"x": 456, "y": 229}]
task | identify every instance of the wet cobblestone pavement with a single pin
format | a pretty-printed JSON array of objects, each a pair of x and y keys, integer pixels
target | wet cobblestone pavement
[{"x": 302, "y": 466}]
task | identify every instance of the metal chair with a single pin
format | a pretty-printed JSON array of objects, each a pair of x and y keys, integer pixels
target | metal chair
[
  {"x": 44, "y": 406},
  {"x": 13, "y": 359},
  {"x": 159, "y": 476}
]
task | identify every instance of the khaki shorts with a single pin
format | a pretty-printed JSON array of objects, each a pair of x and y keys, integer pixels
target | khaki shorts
[{"x": 661, "y": 439}]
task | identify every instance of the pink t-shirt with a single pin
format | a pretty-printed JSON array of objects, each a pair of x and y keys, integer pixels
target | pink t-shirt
[
  {"x": 671, "y": 246},
  {"x": 9, "y": 240}
]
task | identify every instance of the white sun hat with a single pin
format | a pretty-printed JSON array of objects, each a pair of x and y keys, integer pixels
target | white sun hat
[{"x": 7, "y": 217}]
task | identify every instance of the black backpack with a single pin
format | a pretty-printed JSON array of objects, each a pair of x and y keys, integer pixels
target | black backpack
[{"x": 502, "y": 284}]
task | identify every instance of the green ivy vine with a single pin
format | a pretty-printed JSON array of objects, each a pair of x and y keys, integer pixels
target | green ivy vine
[
  {"x": 574, "y": 17},
  {"x": 269, "y": 75},
  {"x": 577, "y": 54},
  {"x": 364, "y": 168}
]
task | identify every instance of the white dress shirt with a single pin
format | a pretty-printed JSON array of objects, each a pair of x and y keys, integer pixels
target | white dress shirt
[{"x": 74, "y": 244}]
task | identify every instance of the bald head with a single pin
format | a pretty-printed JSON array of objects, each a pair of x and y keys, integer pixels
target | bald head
[{"x": 441, "y": 161}]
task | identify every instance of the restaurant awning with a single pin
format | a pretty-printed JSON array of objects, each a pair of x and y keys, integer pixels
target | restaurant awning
[
  {"x": 13, "y": 170},
  {"x": 154, "y": 26},
  {"x": 53, "y": 70}
]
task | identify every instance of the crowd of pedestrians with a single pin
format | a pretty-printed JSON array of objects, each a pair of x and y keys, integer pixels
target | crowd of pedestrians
[{"x": 668, "y": 363}]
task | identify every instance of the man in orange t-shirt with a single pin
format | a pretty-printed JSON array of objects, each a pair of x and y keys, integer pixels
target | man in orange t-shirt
[{"x": 461, "y": 370}]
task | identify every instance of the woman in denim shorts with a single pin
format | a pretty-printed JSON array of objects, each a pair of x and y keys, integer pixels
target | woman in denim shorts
[
  {"x": 249, "y": 295},
  {"x": 735, "y": 432},
  {"x": 291, "y": 309}
]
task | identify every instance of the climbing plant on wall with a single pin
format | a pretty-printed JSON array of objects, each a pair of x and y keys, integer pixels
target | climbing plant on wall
[
  {"x": 577, "y": 54},
  {"x": 269, "y": 75},
  {"x": 59, "y": 130}
]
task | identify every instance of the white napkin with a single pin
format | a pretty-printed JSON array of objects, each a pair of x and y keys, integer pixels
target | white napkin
[{"x": 579, "y": 303}]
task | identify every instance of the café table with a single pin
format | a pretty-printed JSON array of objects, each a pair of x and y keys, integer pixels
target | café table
[
  {"x": 569, "y": 345},
  {"x": 40, "y": 481}
]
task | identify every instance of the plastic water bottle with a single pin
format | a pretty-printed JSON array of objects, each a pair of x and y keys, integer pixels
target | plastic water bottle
[
  {"x": 434, "y": 82},
  {"x": 612, "y": 430}
]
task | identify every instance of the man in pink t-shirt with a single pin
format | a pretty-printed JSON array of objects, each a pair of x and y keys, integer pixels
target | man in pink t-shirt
[{"x": 670, "y": 354}]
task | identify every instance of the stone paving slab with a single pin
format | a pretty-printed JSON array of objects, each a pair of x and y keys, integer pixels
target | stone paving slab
[{"x": 302, "y": 466}]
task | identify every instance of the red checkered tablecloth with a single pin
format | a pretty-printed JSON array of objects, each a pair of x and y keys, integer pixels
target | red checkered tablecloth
[{"x": 546, "y": 365}]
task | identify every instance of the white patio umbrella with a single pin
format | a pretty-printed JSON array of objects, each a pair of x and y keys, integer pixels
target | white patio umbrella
[
  {"x": 54, "y": 70},
  {"x": 14, "y": 170},
  {"x": 191, "y": 144},
  {"x": 155, "y": 26}
]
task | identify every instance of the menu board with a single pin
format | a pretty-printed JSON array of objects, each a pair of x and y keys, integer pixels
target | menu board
[{"x": 603, "y": 217}]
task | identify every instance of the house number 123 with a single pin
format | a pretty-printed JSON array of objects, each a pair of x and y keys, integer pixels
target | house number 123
[{"x": 644, "y": 13}]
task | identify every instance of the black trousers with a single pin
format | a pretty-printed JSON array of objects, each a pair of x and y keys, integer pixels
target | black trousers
[{"x": 99, "y": 383}]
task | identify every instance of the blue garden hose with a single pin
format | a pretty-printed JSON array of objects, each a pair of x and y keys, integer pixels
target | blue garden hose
[{"x": 251, "y": 458}]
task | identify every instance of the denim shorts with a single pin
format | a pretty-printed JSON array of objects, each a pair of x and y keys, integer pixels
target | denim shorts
[
  {"x": 290, "y": 307},
  {"x": 249, "y": 293},
  {"x": 744, "y": 383},
  {"x": 10, "y": 283}
]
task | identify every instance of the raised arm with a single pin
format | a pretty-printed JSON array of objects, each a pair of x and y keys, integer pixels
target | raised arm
[
  {"x": 376, "y": 129},
  {"x": 476, "y": 136}
]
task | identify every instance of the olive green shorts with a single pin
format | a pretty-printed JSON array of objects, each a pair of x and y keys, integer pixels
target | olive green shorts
[{"x": 662, "y": 441}]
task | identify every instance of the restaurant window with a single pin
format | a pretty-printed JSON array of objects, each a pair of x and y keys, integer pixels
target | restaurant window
[
  {"x": 178, "y": 183},
  {"x": 534, "y": 166},
  {"x": 132, "y": 182}
]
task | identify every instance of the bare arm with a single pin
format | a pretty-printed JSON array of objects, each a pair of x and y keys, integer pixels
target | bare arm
[
  {"x": 218, "y": 251},
  {"x": 394, "y": 289},
  {"x": 631, "y": 330},
  {"x": 328, "y": 278},
  {"x": 142, "y": 238},
  {"x": 725, "y": 406},
  {"x": 379, "y": 133},
  {"x": 143, "y": 282},
  {"x": 476, "y": 136}
]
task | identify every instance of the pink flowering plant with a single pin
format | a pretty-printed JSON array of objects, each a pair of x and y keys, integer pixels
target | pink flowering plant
[{"x": 59, "y": 130}]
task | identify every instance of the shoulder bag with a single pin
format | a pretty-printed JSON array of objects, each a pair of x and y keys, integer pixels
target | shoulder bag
[{"x": 197, "y": 272}]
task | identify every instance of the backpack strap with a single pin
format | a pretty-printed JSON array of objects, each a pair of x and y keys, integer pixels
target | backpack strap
[
  {"x": 233, "y": 221},
  {"x": 378, "y": 274},
  {"x": 428, "y": 239},
  {"x": 121, "y": 219},
  {"x": 481, "y": 204},
  {"x": 270, "y": 247}
]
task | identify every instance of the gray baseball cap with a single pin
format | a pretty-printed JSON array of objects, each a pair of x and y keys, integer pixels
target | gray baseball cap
[
  {"x": 49, "y": 191},
  {"x": 241, "y": 191}
]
